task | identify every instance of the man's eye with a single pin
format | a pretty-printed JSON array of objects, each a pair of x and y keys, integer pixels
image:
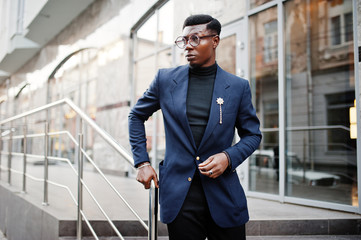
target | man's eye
[{"x": 193, "y": 38}]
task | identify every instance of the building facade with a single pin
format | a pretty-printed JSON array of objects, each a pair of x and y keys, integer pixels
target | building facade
[{"x": 300, "y": 57}]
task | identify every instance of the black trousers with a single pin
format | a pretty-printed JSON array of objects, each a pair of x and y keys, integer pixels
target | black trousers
[{"x": 194, "y": 221}]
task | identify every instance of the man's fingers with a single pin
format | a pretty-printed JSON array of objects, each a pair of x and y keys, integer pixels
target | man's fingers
[
  {"x": 156, "y": 183},
  {"x": 207, "y": 167},
  {"x": 206, "y": 162},
  {"x": 212, "y": 172},
  {"x": 211, "y": 167},
  {"x": 149, "y": 183},
  {"x": 146, "y": 175}
]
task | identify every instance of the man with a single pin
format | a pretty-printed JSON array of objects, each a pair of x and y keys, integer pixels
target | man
[{"x": 200, "y": 194}]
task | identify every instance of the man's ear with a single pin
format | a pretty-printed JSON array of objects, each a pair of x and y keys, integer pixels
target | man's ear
[{"x": 215, "y": 41}]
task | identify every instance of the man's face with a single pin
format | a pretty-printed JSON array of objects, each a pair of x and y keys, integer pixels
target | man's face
[{"x": 204, "y": 54}]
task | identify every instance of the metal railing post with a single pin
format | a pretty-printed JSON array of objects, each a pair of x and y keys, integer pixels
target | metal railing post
[
  {"x": 153, "y": 213},
  {"x": 10, "y": 149},
  {"x": 80, "y": 185},
  {"x": 46, "y": 163},
  {"x": 24, "y": 157}
]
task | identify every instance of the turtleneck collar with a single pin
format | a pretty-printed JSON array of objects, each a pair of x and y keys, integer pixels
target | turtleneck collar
[{"x": 203, "y": 71}]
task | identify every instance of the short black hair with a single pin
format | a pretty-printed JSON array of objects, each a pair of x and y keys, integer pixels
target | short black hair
[{"x": 213, "y": 24}]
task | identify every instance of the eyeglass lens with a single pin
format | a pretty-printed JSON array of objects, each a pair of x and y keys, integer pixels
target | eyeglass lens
[{"x": 193, "y": 40}]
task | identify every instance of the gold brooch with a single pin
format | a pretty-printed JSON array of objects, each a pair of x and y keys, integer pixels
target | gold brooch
[{"x": 220, "y": 101}]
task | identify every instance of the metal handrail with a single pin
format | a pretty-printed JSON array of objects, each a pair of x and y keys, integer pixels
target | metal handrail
[
  {"x": 58, "y": 185},
  {"x": 153, "y": 194},
  {"x": 83, "y": 116},
  {"x": 307, "y": 128}
]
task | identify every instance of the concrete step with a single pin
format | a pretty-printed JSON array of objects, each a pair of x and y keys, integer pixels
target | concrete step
[
  {"x": 112, "y": 238},
  {"x": 21, "y": 213},
  {"x": 317, "y": 237},
  {"x": 312, "y": 237}
]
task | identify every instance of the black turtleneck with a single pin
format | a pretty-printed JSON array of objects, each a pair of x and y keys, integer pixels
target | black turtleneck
[{"x": 199, "y": 97}]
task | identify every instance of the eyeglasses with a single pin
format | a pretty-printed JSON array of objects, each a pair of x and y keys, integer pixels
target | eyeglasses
[{"x": 193, "y": 40}]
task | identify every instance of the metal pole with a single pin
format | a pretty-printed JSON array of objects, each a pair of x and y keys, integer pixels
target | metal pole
[
  {"x": 10, "y": 147},
  {"x": 80, "y": 185},
  {"x": 309, "y": 85},
  {"x": 153, "y": 191},
  {"x": 281, "y": 101},
  {"x": 153, "y": 213},
  {"x": 46, "y": 163},
  {"x": 24, "y": 158},
  {"x": 356, "y": 16}
]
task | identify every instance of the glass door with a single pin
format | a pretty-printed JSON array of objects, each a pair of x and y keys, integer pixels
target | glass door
[
  {"x": 263, "y": 57},
  {"x": 232, "y": 57},
  {"x": 320, "y": 91}
]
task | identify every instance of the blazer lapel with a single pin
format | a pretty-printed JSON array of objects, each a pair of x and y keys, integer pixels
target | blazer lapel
[
  {"x": 219, "y": 91},
  {"x": 179, "y": 97}
]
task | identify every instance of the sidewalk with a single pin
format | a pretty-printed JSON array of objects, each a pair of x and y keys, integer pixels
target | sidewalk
[
  {"x": 267, "y": 218},
  {"x": 305, "y": 238},
  {"x": 137, "y": 196}
]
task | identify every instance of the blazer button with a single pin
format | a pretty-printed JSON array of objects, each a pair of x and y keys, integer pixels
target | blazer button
[
  {"x": 189, "y": 179},
  {"x": 197, "y": 158}
]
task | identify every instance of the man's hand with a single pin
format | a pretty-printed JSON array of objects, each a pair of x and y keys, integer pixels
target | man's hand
[
  {"x": 214, "y": 166},
  {"x": 146, "y": 174}
]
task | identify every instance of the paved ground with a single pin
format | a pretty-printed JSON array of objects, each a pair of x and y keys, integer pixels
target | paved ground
[
  {"x": 250, "y": 238},
  {"x": 285, "y": 238},
  {"x": 134, "y": 193}
]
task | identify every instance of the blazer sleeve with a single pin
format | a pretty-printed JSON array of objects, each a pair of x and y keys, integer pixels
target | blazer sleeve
[
  {"x": 142, "y": 110},
  {"x": 247, "y": 124}
]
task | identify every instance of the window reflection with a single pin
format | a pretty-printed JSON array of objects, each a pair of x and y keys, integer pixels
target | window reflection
[
  {"x": 256, "y": 3},
  {"x": 320, "y": 155},
  {"x": 146, "y": 37},
  {"x": 166, "y": 24},
  {"x": 264, "y": 162},
  {"x": 226, "y": 54},
  {"x": 153, "y": 50},
  {"x": 336, "y": 30},
  {"x": 270, "y": 42}
]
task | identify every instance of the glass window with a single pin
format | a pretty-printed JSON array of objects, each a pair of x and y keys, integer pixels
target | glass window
[
  {"x": 270, "y": 41},
  {"x": 340, "y": 20},
  {"x": 348, "y": 27},
  {"x": 264, "y": 84},
  {"x": 144, "y": 74},
  {"x": 226, "y": 53},
  {"x": 338, "y": 105},
  {"x": 166, "y": 25},
  {"x": 146, "y": 38},
  {"x": 153, "y": 50},
  {"x": 336, "y": 30},
  {"x": 320, "y": 156}
]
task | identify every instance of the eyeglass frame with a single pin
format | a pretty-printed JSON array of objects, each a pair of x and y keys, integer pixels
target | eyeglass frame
[{"x": 186, "y": 40}]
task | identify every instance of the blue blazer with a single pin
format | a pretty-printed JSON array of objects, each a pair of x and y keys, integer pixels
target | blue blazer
[{"x": 168, "y": 92}]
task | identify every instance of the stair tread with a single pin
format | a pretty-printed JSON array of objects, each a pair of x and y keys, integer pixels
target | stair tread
[{"x": 308, "y": 237}]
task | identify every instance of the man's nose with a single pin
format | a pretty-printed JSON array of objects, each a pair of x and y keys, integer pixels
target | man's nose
[{"x": 188, "y": 45}]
